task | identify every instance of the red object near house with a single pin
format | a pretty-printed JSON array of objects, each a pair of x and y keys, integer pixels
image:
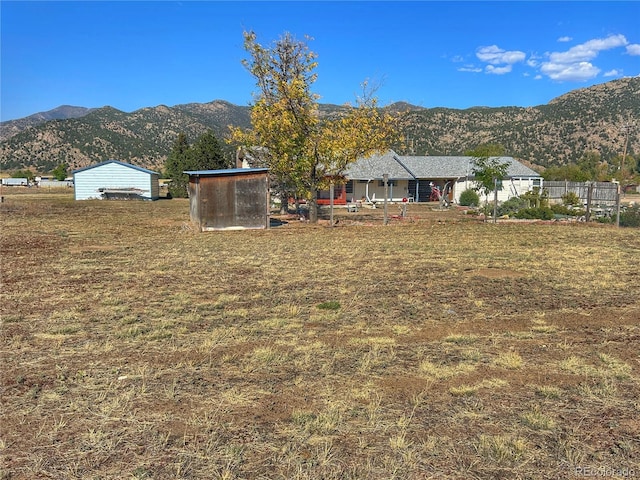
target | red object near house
[{"x": 339, "y": 196}]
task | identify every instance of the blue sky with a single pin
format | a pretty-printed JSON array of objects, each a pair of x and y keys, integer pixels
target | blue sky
[{"x": 452, "y": 54}]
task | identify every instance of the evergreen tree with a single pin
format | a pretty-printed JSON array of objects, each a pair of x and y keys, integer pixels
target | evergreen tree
[
  {"x": 206, "y": 154},
  {"x": 177, "y": 162}
]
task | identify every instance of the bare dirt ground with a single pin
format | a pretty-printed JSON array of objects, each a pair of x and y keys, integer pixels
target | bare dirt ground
[{"x": 437, "y": 346}]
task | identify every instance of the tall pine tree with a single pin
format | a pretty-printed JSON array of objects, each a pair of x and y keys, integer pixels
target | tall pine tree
[
  {"x": 177, "y": 162},
  {"x": 205, "y": 154}
]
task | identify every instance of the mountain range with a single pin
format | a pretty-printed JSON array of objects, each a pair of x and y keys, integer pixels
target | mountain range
[{"x": 593, "y": 119}]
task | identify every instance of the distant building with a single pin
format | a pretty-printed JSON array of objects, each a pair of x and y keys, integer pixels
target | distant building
[
  {"x": 115, "y": 180},
  {"x": 15, "y": 182}
]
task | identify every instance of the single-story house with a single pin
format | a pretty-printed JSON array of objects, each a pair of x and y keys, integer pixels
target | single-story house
[
  {"x": 229, "y": 199},
  {"x": 415, "y": 178},
  {"x": 113, "y": 179}
]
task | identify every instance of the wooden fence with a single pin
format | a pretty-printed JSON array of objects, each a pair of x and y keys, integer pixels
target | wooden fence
[{"x": 602, "y": 193}]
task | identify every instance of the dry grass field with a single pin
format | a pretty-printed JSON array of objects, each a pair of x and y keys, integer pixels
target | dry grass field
[{"x": 434, "y": 347}]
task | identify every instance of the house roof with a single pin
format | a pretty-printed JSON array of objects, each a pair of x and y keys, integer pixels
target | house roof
[
  {"x": 135, "y": 167},
  {"x": 424, "y": 167},
  {"x": 375, "y": 166}
]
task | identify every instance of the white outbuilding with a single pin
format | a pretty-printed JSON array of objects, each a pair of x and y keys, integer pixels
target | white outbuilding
[{"x": 116, "y": 180}]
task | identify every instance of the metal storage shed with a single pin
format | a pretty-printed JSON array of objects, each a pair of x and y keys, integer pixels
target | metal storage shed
[
  {"x": 235, "y": 198},
  {"x": 115, "y": 180}
]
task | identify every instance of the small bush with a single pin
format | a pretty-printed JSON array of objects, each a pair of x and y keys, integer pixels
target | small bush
[
  {"x": 511, "y": 206},
  {"x": 540, "y": 213},
  {"x": 571, "y": 199},
  {"x": 330, "y": 305},
  {"x": 536, "y": 198},
  {"x": 178, "y": 187},
  {"x": 560, "y": 209},
  {"x": 630, "y": 217},
  {"x": 469, "y": 198}
]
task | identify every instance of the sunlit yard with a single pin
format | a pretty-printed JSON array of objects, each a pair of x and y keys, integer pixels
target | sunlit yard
[{"x": 437, "y": 346}]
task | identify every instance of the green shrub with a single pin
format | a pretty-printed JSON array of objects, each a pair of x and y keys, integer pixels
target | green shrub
[
  {"x": 330, "y": 305},
  {"x": 611, "y": 219},
  {"x": 571, "y": 199},
  {"x": 536, "y": 198},
  {"x": 630, "y": 217},
  {"x": 178, "y": 187},
  {"x": 469, "y": 198},
  {"x": 511, "y": 206},
  {"x": 540, "y": 213},
  {"x": 560, "y": 209}
]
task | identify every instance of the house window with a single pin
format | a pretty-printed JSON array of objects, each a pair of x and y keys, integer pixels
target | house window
[
  {"x": 391, "y": 183},
  {"x": 536, "y": 182},
  {"x": 349, "y": 186}
]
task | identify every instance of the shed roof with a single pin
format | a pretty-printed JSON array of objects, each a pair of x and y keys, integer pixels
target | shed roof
[
  {"x": 106, "y": 162},
  {"x": 224, "y": 172},
  {"x": 425, "y": 167}
]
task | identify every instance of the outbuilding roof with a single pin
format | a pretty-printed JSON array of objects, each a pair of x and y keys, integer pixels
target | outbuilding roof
[
  {"x": 226, "y": 171},
  {"x": 424, "y": 167},
  {"x": 106, "y": 162}
]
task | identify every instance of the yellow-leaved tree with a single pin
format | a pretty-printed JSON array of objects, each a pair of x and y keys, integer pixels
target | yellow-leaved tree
[{"x": 303, "y": 149}]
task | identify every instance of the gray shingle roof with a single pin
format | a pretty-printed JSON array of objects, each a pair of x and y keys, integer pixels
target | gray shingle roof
[
  {"x": 427, "y": 167},
  {"x": 373, "y": 167}
]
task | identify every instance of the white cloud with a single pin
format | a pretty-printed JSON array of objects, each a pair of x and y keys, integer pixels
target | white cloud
[
  {"x": 588, "y": 50},
  {"x": 470, "y": 68},
  {"x": 575, "y": 63},
  {"x": 613, "y": 73},
  {"x": 565, "y": 39},
  {"x": 633, "y": 49},
  {"x": 457, "y": 59},
  {"x": 495, "y": 55},
  {"x": 573, "y": 72},
  {"x": 498, "y": 70}
]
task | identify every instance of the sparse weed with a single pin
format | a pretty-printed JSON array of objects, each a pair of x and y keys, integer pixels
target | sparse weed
[
  {"x": 510, "y": 360},
  {"x": 598, "y": 388},
  {"x": 463, "y": 390},
  {"x": 544, "y": 329},
  {"x": 502, "y": 449},
  {"x": 548, "y": 391},
  {"x": 330, "y": 305},
  {"x": 441, "y": 372},
  {"x": 472, "y": 355},
  {"x": 399, "y": 441},
  {"x": 614, "y": 367},
  {"x": 537, "y": 420},
  {"x": 460, "y": 339}
]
